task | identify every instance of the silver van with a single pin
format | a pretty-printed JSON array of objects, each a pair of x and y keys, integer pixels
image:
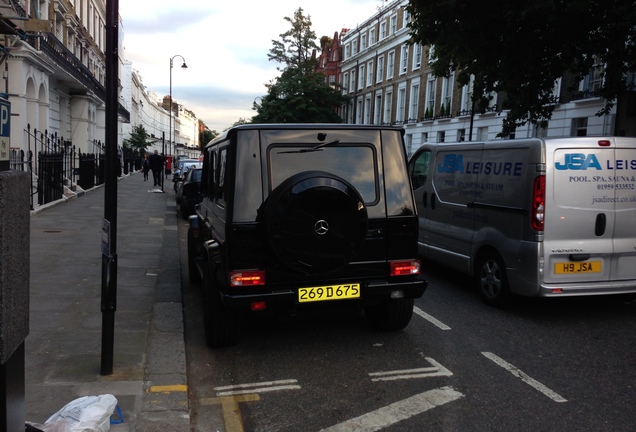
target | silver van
[{"x": 533, "y": 217}]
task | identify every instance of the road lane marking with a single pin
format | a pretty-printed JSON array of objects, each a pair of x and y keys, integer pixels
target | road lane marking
[
  {"x": 435, "y": 370},
  {"x": 232, "y": 420},
  {"x": 398, "y": 411},
  {"x": 262, "y": 387},
  {"x": 524, "y": 377},
  {"x": 168, "y": 388},
  {"x": 430, "y": 318}
]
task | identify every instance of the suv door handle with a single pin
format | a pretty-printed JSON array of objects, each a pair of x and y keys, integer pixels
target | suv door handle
[{"x": 433, "y": 201}]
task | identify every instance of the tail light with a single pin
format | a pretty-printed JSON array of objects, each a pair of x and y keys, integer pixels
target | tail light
[
  {"x": 538, "y": 203},
  {"x": 247, "y": 278},
  {"x": 405, "y": 268}
]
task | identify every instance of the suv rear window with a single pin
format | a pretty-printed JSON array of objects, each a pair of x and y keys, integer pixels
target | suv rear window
[{"x": 355, "y": 163}]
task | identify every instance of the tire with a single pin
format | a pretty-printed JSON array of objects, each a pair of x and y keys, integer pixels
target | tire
[
  {"x": 391, "y": 315},
  {"x": 222, "y": 326},
  {"x": 492, "y": 281},
  {"x": 193, "y": 271},
  {"x": 315, "y": 222}
]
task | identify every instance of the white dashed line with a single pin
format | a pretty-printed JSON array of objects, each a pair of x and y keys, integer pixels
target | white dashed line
[
  {"x": 430, "y": 318},
  {"x": 524, "y": 377},
  {"x": 262, "y": 387},
  {"x": 434, "y": 371},
  {"x": 398, "y": 411}
]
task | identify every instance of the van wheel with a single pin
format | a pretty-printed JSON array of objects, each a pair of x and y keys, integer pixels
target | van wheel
[
  {"x": 492, "y": 280},
  {"x": 222, "y": 326},
  {"x": 193, "y": 271},
  {"x": 315, "y": 222},
  {"x": 391, "y": 315}
]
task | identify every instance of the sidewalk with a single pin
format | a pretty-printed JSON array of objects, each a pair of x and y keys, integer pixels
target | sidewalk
[{"x": 63, "y": 349}]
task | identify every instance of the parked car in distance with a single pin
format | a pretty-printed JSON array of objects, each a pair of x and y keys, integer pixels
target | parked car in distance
[
  {"x": 305, "y": 216},
  {"x": 188, "y": 193},
  {"x": 181, "y": 169}
]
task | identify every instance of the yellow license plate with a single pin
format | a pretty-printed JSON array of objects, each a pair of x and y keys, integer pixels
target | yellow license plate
[
  {"x": 334, "y": 292},
  {"x": 577, "y": 267}
]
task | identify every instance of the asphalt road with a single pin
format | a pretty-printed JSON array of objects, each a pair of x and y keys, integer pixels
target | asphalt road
[{"x": 540, "y": 365}]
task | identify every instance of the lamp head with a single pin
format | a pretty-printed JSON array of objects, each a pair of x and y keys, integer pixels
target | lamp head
[{"x": 184, "y": 66}]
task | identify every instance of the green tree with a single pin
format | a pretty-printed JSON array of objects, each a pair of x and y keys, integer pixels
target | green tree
[
  {"x": 137, "y": 143},
  {"x": 522, "y": 48},
  {"x": 299, "y": 94}
]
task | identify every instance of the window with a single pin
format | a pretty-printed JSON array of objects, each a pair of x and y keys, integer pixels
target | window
[
  {"x": 344, "y": 82},
  {"x": 404, "y": 60},
  {"x": 354, "y": 47},
  {"x": 482, "y": 133},
  {"x": 406, "y": 18},
  {"x": 415, "y": 101},
  {"x": 430, "y": 97},
  {"x": 359, "y": 111},
  {"x": 593, "y": 81},
  {"x": 388, "y": 109},
  {"x": 361, "y": 76},
  {"x": 461, "y": 135},
  {"x": 367, "y": 109},
  {"x": 401, "y": 103},
  {"x": 417, "y": 56},
  {"x": 347, "y": 51},
  {"x": 332, "y": 81},
  {"x": 390, "y": 65},
  {"x": 371, "y": 36},
  {"x": 363, "y": 42},
  {"x": 393, "y": 21},
  {"x": 441, "y": 136},
  {"x": 378, "y": 109},
  {"x": 222, "y": 173},
  {"x": 447, "y": 94},
  {"x": 579, "y": 126},
  {"x": 380, "y": 69},
  {"x": 382, "y": 30},
  {"x": 352, "y": 82},
  {"x": 370, "y": 73},
  {"x": 467, "y": 98}
]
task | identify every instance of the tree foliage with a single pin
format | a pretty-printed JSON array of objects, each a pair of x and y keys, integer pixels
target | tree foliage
[
  {"x": 299, "y": 94},
  {"x": 137, "y": 143},
  {"x": 522, "y": 48},
  {"x": 294, "y": 49}
]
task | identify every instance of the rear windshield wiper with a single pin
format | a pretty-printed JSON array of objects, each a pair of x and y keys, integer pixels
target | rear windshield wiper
[{"x": 317, "y": 147}]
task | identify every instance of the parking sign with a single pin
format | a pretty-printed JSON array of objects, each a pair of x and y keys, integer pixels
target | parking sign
[{"x": 5, "y": 129}]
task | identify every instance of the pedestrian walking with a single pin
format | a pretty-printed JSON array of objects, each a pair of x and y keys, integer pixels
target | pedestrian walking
[
  {"x": 156, "y": 165},
  {"x": 145, "y": 167}
]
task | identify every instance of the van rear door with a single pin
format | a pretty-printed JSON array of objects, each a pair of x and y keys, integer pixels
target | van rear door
[{"x": 590, "y": 208}]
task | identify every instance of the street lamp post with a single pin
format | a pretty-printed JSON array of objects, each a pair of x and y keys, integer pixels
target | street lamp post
[{"x": 183, "y": 66}]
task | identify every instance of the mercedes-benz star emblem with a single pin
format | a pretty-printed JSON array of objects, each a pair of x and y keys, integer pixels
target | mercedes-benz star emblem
[{"x": 321, "y": 227}]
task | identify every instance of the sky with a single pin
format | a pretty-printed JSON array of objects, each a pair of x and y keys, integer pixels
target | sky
[{"x": 225, "y": 46}]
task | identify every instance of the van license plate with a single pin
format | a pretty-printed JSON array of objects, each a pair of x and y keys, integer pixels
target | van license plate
[
  {"x": 334, "y": 292},
  {"x": 577, "y": 267}
]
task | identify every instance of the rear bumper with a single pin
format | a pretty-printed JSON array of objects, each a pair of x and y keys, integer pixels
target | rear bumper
[
  {"x": 287, "y": 297},
  {"x": 588, "y": 288}
]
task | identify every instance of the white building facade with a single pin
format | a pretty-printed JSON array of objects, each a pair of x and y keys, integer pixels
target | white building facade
[{"x": 389, "y": 82}]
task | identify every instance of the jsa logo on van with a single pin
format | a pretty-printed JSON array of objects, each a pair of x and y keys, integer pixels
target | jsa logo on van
[{"x": 581, "y": 162}]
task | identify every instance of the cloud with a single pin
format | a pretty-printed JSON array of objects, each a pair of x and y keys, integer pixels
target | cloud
[{"x": 225, "y": 45}]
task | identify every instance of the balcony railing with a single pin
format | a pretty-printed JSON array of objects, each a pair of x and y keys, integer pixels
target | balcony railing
[{"x": 52, "y": 47}]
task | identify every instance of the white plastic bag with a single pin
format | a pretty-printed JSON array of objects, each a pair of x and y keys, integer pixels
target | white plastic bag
[{"x": 86, "y": 414}]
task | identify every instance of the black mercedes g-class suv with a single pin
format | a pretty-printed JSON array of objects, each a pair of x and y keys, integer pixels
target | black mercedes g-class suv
[{"x": 301, "y": 215}]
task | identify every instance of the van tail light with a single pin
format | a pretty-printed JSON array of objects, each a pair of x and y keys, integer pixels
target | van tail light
[
  {"x": 405, "y": 268},
  {"x": 538, "y": 203},
  {"x": 247, "y": 278}
]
